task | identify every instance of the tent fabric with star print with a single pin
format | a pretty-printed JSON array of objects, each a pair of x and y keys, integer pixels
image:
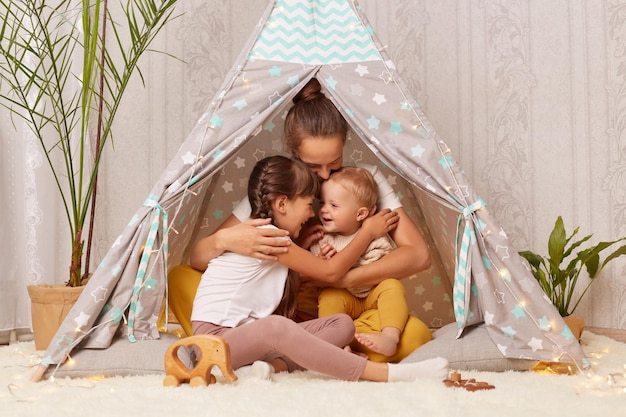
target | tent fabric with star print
[{"x": 476, "y": 276}]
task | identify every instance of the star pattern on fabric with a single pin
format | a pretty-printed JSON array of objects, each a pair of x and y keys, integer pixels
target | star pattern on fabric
[
  {"x": 373, "y": 122},
  {"x": 417, "y": 151},
  {"x": 116, "y": 270},
  {"x": 390, "y": 64},
  {"x": 379, "y": 99},
  {"x": 567, "y": 333},
  {"x": 218, "y": 214},
  {"x": 445, "y": 161},
  {"x": 518, "y": 312},
  {"x": 508, "y": 331},
  {"x": 275, "y": 71},
  {"x": 503, "y": 251},
  {"x": 99, "y": 294},
  {"x": 82, "y": 319},
  {"x": 216, "y": 121},
  {"x": 357, "y": 90},
  {"x": 488, "y": 318},
  {"x": 64, "y": 344},
  {"x": 423, "y": 132},
  {"x": 499, "y": 296},
  {"x": 356, "y": 156},
  {"x": 116, "y": 314},
  {"x": 240, "y": 104},
  {"x": 293, "y": 81},
  {"x": 258, "y": 154},
  {"x": 274, "y": 98},
  {"x": 436, "y": 280},
  {"x": 150, "y": 283},
  {"x": 396, "y": 128},
  {"x": 545, "y": 324},
  {"x": 486, "y": 262},
  {"x": 419, "y": 290},
  {"x": 269, "y": 126},
  {"x": 502, "y": 349},
  {"x": 535, "y": 344},
  {"x": 227, "y": 187},
  {"x": 240, "y": 162},
  {"x": 386, "y": 77},
  {"x": 463, "y": 191},
  {"x": 331, "y": 83},
  {"x": 361, "y": 70},
  {"x": 427, "y": 306},
  {"x": 188, "y": 158}
]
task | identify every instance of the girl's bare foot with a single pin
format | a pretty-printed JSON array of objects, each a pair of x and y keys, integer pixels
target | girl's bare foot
[{"x": 385, "y": 343}]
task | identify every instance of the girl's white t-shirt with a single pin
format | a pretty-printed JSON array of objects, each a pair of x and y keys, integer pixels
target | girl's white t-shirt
[
  {"x": 387, "y": 197},
  {"x": 237, "y": 289}
]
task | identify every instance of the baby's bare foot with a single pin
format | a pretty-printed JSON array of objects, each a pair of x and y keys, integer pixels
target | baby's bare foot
[{"x": 378, "y": 342}]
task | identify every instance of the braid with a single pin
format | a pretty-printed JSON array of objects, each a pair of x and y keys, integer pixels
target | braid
[{"x": 278, "y": 175}]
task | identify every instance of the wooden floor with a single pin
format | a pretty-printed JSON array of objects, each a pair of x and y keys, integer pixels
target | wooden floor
[{"x": 617, "y": 334}]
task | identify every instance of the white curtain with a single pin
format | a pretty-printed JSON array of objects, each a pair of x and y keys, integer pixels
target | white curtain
[{"x": 33, "y": 242}]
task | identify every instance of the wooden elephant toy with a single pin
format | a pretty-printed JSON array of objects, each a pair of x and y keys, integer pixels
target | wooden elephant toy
[{"x": 214, "y": 350}]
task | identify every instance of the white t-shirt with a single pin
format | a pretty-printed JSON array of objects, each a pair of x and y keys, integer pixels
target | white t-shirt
[
  {"x": 237, "y": 289},
  {"x": 387, "y": 198}
]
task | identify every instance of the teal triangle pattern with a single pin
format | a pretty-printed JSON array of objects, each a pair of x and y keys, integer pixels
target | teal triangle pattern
[{"x": 314, "y": 32}]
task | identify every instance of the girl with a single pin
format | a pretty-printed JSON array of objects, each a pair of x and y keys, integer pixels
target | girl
[{"x": 238, "y": 294}]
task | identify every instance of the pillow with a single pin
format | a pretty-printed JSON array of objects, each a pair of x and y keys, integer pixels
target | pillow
[
  {"x": 122, "y": 358},
  {"x": 474, "y": 351}
]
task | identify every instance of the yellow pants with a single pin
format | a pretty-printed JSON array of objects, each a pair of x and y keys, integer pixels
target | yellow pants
[
  {"x": 183, "y": 282},
  {"x": 385, "y": 306},
  {"x": 388, "y": 298}
]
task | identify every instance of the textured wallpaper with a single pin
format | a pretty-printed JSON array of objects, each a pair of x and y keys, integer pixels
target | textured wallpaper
[{"x": 529, "y": 95}]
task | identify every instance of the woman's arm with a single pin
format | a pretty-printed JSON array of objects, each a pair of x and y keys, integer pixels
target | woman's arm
[
  {"x": 410, "y": 257},
  {"x": 244, "y": 238},
  {"x": 331, "y": 270}
]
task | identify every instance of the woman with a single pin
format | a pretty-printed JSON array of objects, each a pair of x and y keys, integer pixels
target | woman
[{"x": 315, "y": 133}]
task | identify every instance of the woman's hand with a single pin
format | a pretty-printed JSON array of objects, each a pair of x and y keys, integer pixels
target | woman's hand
[
  {"x": 243, "y": 238},
  {"x": 381, "y": 223},
  {"x": 248, "y": 239}
]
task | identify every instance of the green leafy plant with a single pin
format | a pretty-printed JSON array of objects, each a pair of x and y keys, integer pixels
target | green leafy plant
[
  {"x": 557, "y": 279},
  {"x": 63, "y": 77}
]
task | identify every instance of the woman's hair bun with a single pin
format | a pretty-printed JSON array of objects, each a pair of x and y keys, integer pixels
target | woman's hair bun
[{"x": 311, "y": 91}]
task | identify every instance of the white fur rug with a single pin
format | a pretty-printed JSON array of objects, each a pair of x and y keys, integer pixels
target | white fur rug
[{"x": 308, "y": 394}]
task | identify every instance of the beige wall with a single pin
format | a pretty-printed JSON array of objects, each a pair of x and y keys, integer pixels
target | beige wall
[{"x": 529, "y": 95}]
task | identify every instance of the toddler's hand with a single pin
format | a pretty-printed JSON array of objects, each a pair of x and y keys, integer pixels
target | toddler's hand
[{"x": 327, "y": 251}]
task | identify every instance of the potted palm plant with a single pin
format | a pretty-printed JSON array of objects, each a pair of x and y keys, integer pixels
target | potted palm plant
[
  {"x": 558, "y": 272},
  {"x": 63, "y": 76}
]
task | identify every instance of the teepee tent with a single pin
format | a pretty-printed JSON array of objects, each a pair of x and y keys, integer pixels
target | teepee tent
[{"x": 476, "y": 277}]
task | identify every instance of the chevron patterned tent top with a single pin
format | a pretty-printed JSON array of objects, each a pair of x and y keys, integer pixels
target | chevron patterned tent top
[{"x": 315, "y": 32}]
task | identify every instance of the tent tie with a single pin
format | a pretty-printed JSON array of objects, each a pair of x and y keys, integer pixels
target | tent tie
[
  {"x": 140, "y": 278},
  {"x": 462, "y": 274}
]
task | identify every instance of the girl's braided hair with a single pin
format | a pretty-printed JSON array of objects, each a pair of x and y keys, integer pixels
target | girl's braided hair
[
  {"x": 272, "y": 177},
  {"x": 275, "y": 176}
]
